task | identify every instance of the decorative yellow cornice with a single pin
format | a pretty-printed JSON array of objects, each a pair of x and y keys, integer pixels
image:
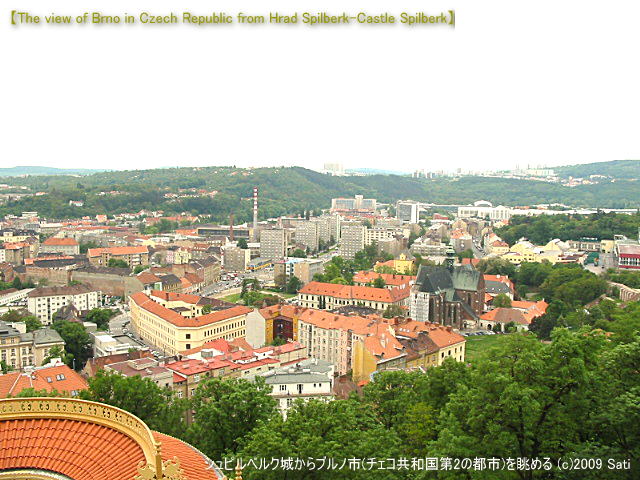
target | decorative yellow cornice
[{"x": 100, "y": 414}]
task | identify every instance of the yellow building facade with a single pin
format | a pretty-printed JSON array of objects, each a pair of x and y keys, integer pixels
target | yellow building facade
[{"x": 175, "y": 322}]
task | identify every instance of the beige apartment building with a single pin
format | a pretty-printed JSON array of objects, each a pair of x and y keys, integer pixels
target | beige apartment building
[
  {"x": 138, "y": 255},
  {"x": 65, "y": 246},
  {"x": 175, "y": 322},
  {"x": 19, "y": 349}
]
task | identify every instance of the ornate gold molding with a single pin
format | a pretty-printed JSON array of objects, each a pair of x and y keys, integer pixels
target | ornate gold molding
[{"x": 100, "y": 414}]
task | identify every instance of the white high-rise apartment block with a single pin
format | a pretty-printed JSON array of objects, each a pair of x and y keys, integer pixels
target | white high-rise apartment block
[{"x": 46, "y": 301}]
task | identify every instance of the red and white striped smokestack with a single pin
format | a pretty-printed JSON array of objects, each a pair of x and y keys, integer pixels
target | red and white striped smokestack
[{"x": 255, "y": 214}]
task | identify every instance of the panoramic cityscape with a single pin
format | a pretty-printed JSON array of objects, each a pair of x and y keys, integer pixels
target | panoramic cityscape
[{"x": 284, "y": 323}]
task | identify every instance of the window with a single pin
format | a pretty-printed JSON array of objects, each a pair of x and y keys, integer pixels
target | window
[
  {"x": 188, "y": 346},
  {"x": 188, "y": 336},
  {"x": 283, "y": 388},
  {"x": 49, "y": 379},
  {"x": 60, "y": 376}
]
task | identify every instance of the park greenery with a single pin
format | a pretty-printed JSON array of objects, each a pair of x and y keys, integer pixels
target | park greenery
[
  {"x": 543, "y": 228},
  {"x": 628, "y": 278},
  {"x": 340, "y": 270}
]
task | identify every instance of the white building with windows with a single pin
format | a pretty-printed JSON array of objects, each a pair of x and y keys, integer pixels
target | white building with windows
[
  {"x": 484, "y": 209},
  {"x": 308, "y": 379},
  {"x": 44, "y": 302}
]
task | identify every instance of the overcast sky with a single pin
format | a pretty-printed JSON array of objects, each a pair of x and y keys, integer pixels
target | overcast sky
[{"x": 516, "y": 82}]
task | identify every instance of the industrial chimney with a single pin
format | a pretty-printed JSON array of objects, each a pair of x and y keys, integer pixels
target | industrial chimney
[{"x": 255, "y": 214}]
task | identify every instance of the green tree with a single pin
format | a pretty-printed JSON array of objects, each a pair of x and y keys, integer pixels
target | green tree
[
  {"x": 496, "y": 266},
  {"x": 207, "y": 309},
  {"x": 58, "y": 352},
  {"x": 77, "y": 342},
  {"x": 157, "y": 407},
  {"x": 32, "y": 323},
  {"x": 280, "y": 281},
  {"x": 502, "y": 300},
  {"x": 468, "y": 253},
  {"x": 32, "y": 392},
  {"x": 5, "y": 367},
  {"x": 278, "y": 341},
  {"x": 393, "y": 311},
  {"x": 101, "y": 317},
  {"x": 298, "y": 253},
  {"x": 84, "y": 247},
  {"x": 117, "y": 263},
  {"x": 242, "y": 243},
  {"x": 379, "y": 282},
  {"x": 140, "y": 268},
  {"x": 294, "y": 284},
  {"x": 226, "y": 411},
  {"x": 527, "y": 400},
  {"x": 340, "y": 429}
]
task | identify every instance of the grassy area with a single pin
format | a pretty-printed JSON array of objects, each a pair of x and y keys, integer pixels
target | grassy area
[
  {"x": 478, "y": 344},
  {"x": 233, "y": 298}
]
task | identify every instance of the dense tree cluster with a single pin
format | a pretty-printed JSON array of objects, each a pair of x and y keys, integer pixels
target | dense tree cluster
[{"x": 542, "y": 228}]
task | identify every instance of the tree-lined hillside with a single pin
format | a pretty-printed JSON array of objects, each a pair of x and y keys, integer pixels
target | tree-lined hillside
[{"x": 286, "y": 190}]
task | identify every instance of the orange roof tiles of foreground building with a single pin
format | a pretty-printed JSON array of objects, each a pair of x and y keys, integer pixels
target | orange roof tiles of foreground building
[{"x": 81, "y": 440}]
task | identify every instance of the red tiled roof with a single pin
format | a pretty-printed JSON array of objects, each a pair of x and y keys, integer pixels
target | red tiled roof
[
  {"x": 499, "y": 278},
  {"x": 443, "y": 336},
  {"x": 60, "y": 241},
  {"x": 470, "y": 261},
  {"x": 13, "y": 383},
  {"x": 288, "y": 311},
  {"x": 143, "y": 301},
  {"x": 193, "y": 278},
  {"x": 96, "y": 252},
  {"x": 328, "y": 320},
  {"x": 383, "y": 295},
  {"x": 191, "y": 366},
  {"x": 384, "y": 346},
  {"x": 389, "y": 278},
  {"x": 505, "y": 315}
]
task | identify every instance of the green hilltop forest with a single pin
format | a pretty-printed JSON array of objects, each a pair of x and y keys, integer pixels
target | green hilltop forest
[
  {"x": 620, "y": 169},
  {"x": 290, "y": 190}
]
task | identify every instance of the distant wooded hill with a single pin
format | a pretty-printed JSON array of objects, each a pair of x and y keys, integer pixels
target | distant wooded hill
[{"x": 290, "y": 190}]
